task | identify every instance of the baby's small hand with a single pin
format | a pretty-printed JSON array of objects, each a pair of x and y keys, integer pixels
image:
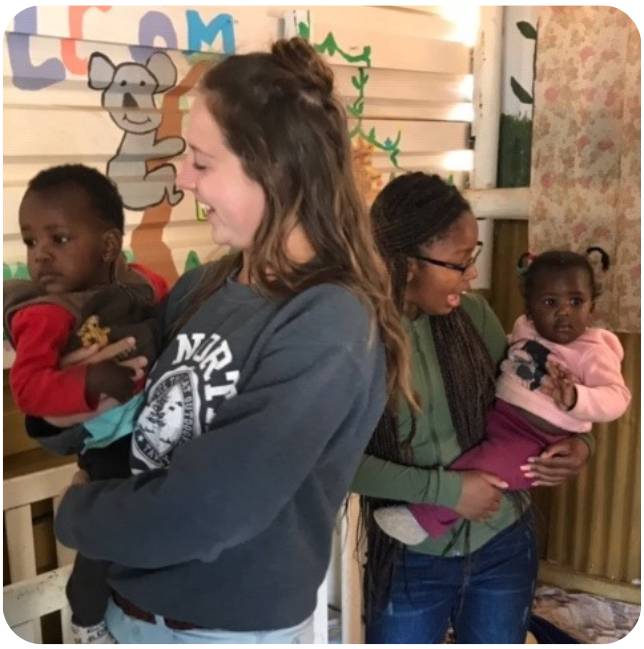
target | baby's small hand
[{"x": 560, "y": 385}]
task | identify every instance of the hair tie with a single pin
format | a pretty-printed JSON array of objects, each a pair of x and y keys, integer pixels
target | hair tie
[
  {"x": 525, "y": 260},
  {"x": 605, "y": 259}
]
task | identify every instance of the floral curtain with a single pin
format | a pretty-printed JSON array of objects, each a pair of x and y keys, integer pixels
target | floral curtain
[{"x": 586, "y": 148}]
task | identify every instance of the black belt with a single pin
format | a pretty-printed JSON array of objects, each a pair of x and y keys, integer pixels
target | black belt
[{"x": 132, "y": 610}]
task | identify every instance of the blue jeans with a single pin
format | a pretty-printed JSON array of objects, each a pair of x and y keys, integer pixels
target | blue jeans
[
  {"x": 128, "y": 630},
  {"x": 487, "y": 601}
]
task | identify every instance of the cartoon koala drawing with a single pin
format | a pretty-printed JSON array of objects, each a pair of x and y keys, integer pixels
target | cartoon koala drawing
[{"x": 128, "y": 96}]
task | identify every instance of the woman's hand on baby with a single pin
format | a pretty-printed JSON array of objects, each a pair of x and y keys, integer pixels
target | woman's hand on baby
[
  {"x": 137, "y": 365},
  {"x": 560, "y": 385},
  {"x": 121, "y": 349},
  {"x": 109, "y": 378},
  {"x": 480, "y": 495},
  {"x": 557, "y": 462}
]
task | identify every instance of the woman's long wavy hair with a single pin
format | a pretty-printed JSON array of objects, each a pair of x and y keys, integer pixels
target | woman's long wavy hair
[
  {"x": 280, "y": 116},
  {"x": 412, "y": 210}
]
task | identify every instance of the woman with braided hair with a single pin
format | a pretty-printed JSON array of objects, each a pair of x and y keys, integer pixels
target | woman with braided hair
[
  {"x": 480, "y": 574},
  {"x": 277, "y": 364},
  {"x": 560, "y": 375}
]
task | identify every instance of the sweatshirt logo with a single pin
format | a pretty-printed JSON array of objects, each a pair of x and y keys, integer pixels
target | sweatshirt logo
[
  {"x": 184, "y": 397},
  {"x": 168, "y": 418}
]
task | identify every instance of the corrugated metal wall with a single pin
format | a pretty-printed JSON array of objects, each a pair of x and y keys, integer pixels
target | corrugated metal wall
[{"x": 592, "y": 524}]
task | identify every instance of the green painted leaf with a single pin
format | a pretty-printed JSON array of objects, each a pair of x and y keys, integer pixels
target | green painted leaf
[
  {"x": 304, "y": 31},
  {"x": 15, "y": 271},
  {"x": 192, "y": 261},
  {"x": 521, "y": 93},
  {"x": 330, "y": 47},
  {"x": 527, "y": 30}
]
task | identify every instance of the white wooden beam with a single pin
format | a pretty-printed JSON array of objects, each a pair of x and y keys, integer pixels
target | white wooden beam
[
  {"x": 488, "y": 59},
  {"x": 502, "y": 203},
  {"x": 351, "y": 584}
]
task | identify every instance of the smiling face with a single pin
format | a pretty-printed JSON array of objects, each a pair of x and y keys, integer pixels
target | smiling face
[
  {"x": 234, "y": 203},
  {"x": 436, "y": 290},
  {"x": 130, "y": 99},
  {"x": 560, "y": 304},
  {"x": 68, "y": 247}
]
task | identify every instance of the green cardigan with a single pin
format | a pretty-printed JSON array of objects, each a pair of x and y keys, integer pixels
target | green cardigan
[{"x": 434, "y": 444}]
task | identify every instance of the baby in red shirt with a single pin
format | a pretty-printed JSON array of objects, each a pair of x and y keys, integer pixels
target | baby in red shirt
[{"x": 81, "y": 293}]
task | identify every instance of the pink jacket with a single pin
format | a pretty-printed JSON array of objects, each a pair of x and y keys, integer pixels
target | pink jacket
[{"x": 594, "y": 360}]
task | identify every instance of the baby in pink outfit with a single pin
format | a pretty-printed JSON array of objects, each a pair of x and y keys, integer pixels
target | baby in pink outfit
[{"x": 559, "y": 376}]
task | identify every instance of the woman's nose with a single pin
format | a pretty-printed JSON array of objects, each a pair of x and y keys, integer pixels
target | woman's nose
[{"x": 471, "y": 273}]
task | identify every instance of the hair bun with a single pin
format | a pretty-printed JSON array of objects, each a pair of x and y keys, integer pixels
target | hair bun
[{"x": 298, "y": 57}]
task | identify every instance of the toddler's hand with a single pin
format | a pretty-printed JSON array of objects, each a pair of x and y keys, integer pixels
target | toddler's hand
[
  {"x": 560, "y": 385},
  {"x": 109, "y": 378}
]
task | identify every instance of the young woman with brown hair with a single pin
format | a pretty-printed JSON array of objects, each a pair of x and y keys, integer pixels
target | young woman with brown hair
[{"x": 278, "y": 365}]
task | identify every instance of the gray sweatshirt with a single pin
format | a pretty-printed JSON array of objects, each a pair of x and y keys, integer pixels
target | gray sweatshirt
[{"x": 256, "y": 416}]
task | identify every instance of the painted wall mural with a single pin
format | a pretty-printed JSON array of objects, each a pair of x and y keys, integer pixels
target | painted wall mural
[
  {"x": 110, "y": 87},
  {"x": 330, "y": 47},
  {"x": 515, "y": 136},
  {"x": 153, "y": 25},
  {"x": 147, "y": 239},
  {"x": 128, "y": 92}
]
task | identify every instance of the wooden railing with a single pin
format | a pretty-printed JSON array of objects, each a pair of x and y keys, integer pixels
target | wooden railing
[{"x": 29, "y": 595}]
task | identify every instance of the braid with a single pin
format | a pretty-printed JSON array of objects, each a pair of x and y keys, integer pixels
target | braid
[
  {"x": 468, "y": 374},
  {"x": 412, "y": 210},
  {"x": 382, "y": 549}
]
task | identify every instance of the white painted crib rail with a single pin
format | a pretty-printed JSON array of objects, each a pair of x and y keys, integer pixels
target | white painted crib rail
[{"x": 30, "y": 596}]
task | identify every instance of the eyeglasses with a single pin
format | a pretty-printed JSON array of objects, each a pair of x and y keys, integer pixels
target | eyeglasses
[{"x": 461, "y": 268}]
